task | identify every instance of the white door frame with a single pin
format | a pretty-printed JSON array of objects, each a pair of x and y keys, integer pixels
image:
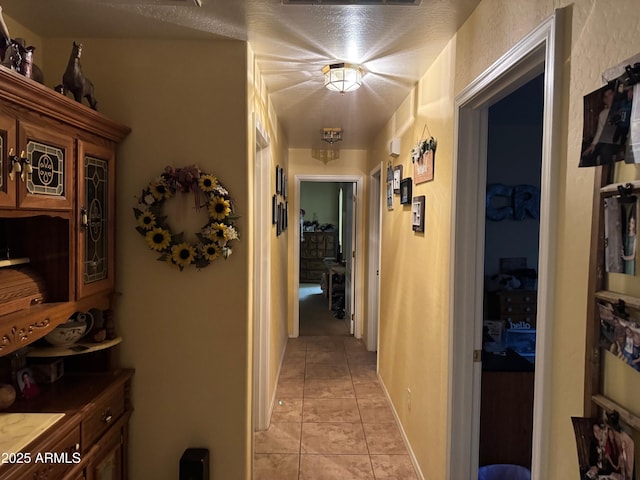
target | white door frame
[
  {"x": 262, "y": 279},
  {"x": 537, "y": 52},
  {"x": 375, "y": 251},
  {"x": 359, "y": 247}
]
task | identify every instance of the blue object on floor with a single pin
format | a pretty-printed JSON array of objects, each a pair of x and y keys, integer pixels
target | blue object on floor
[{"x": 504, "y": 472}]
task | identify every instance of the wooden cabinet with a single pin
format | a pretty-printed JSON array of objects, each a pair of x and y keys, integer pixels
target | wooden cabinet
[
  {"x": 90, "y": 442},
  {"x": 315, "y": 247},
  {"x": 59, "y": 210}
]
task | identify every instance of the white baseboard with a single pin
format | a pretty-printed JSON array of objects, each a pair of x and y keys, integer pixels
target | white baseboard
[
  {"x": 402, "y": 432},
  {"x": 275, "y": 390}
]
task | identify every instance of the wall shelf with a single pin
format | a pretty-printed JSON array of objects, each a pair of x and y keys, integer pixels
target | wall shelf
[
  {"x": 625, "y": 415},
  {"x": 78, "y": 348},
  {"x": 613, "y": 297}
]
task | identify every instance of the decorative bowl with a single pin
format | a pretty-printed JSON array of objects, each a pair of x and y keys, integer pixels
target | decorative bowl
[{"x": 70, "y": 332}]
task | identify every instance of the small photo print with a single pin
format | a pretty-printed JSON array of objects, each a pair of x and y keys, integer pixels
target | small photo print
[
  {"x": 621, "y": 237},
  {"x": 620, "y": 334},
  {"x": 27, "y": 384},
  {"x": 606, "y": 448},
  {"x": 607, "y": 115}
]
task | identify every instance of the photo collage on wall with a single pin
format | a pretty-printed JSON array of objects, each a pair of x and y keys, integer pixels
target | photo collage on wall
[
  {"x": 620, "y": 230},
  {"x": 279, "y": 203},
  {"x": 606, "y": 448}
]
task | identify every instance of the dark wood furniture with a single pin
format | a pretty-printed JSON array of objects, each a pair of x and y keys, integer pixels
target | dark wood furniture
[
  {"x": 59, "y": 213},
  {"x": 314, "y": 248},
  {"x": 97, "y": 408}
]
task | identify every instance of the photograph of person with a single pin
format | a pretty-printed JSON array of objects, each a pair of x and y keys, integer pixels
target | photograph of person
[
  {"x": 629, "y": 237},
  {"x": 605, "y": 448},
  {"x": 606, "y": 125},
  {"x": 28, "y": 386}
]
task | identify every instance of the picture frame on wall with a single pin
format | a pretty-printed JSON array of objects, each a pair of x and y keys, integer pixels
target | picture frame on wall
[
  {"x": 279, "y": 220},
  {"x": 390, "y": 195},
  {"x": 274, "y": 209},
  {"x": 278, "y": 180},
  {"x": 417, "y": 213},
  {"x": 405, "y": 191},
  {"x": 397, "y": 178},
  {"x": 286, "y": 215},
  {"x": 284, "y": 186}
]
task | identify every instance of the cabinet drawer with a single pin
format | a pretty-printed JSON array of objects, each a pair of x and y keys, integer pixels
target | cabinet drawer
[
  {"x": 104, "y": 413},
  {"x": 511, "y": 297},
  {"x": 55, "y": 462},
  {"x": 518, "y": 308}
]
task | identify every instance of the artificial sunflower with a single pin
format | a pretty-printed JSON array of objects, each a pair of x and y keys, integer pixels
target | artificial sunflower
[
  {"x": 218, "y": 232},
  {"x": 182, "y": 254},
  {"x": 207, "y": 183},
  {"x": 211, "y": 251},
  {"x": 219, "y": 208},
  {"x": 158, "y": 239},
  {"x": 147, "y": 220},
  {"x": 160, "y": 190}
]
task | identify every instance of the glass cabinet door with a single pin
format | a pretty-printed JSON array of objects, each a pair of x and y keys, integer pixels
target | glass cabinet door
[
  {"x": 95, "y": 218},
  {"x": 47, "y": 175}
]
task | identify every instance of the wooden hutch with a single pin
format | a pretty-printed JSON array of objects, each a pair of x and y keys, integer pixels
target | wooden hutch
[{"x": 57, "y": 207}]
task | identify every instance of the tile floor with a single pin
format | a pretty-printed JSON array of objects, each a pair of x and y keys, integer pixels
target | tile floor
[{"x": 331, "y": 420}]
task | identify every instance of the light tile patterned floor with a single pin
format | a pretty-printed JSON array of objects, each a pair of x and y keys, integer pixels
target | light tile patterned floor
[{"x": 331, "y": 420}]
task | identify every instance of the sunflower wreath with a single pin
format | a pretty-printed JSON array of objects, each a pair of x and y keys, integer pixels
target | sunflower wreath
[{"x": 215, "y": 237}]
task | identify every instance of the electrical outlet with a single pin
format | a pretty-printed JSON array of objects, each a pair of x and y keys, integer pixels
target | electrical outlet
[{"x": 409, "y": 399}]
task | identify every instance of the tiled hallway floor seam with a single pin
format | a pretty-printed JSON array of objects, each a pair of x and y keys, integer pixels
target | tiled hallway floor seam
[{"x": 331, "y": 420}]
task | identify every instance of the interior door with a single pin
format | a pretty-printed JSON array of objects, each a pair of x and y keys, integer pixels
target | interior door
[{"x": 348, "y": 244}]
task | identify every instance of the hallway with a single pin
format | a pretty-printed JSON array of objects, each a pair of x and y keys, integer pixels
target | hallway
[{"x": 331, "y": 420}]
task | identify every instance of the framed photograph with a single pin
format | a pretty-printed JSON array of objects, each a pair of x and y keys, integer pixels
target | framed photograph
[
  {"x": 284, "y": 186},
  {"x": 620, "y": 232},
  {"x": 27, "y": 384},
  {"x": 274, "y": 209},
  {"x": 417, "y": 213},
  {"x": 390, "y": 195},
  {"x": 405, "y": 191},
  {"x": 279, "y": 220},
  {"x": 397, "y": 178},
  {"x": 278, "y": 180},
  {"x": 286, "y": 215}
]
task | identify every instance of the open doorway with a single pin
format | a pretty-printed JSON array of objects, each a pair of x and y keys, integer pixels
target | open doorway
[
  {"x": 327, "y": 232},
  {"x": 540, "y": 52},
  {"x": 511, "y": 251}
]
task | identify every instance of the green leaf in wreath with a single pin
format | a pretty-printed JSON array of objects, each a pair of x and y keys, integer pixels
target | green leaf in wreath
[{"x": 177, "y": 238}]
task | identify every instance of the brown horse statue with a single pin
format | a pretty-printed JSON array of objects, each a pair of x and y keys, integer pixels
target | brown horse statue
[{"x": 74, "y": 80}]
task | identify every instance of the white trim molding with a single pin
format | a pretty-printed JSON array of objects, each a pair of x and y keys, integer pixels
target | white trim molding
[{"x": 538, "y": 52}]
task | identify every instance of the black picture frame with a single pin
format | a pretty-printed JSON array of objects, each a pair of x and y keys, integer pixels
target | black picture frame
[
  {"x": 286, "y": 215},
  {"x": 397, "y": 179},
  {"x": 278, "y": 180},
  {"x": 284, "y": 186},
  {"x": 406, "y": 186},
  {"x": 417, "y": 213},
  {"x": 274, "y": 210},
  {"x": 279, "y": 220}
]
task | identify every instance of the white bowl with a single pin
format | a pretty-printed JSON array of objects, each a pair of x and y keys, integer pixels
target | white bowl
[{"x": 66, "y": 334}]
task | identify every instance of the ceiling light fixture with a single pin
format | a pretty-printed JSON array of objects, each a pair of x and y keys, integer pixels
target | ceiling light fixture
[
  {"x": 332, "y": 135},
  {"x": 342, "y": 77}
]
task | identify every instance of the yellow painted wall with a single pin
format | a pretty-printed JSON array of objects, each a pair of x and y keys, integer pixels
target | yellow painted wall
[
  {"x": 187, "y": 333},
  {"x": 301, "y": 162},
  {"x": 414, "y": 306},
  {"x": 278, "y": 153}
]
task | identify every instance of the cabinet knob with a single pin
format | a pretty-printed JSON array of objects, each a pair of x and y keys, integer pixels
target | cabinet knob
[
  {"x": 77, "y": 447},
  {"x": 27, "y": 169},
  {"x": 108, "y": 416}
]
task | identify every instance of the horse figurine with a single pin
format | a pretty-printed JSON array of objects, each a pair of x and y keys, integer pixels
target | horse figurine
[{"x": 74, "y": 80}]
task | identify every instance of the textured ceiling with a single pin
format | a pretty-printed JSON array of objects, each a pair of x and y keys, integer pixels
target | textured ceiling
[{"x": 394, "y": 44}]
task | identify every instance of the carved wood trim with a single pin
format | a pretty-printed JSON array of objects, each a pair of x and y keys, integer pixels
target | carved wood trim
[{"x": 21, "y": 334}]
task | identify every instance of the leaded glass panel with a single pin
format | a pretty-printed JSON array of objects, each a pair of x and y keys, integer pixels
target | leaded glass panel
[
  {"x": 96, "y": 198},
  {"x": 48, "y": 164}
]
